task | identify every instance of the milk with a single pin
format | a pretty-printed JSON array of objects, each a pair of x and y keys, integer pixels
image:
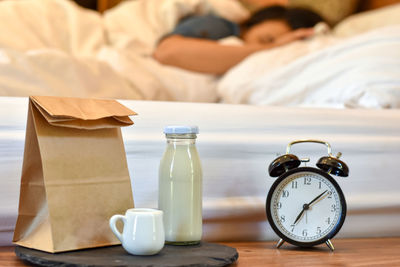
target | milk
[{"x": 180, "y": 191}]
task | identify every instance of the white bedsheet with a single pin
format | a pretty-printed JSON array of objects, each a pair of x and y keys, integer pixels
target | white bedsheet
[
  {"x": 236, "y": 144},
  {"x": 363, "y": 71}
]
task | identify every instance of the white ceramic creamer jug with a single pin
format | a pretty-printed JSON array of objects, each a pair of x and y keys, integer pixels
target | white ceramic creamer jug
[{"x": 143, "y": 232}]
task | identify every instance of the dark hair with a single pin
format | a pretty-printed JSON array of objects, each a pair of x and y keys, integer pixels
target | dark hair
[{"x": 295, "y": 17}]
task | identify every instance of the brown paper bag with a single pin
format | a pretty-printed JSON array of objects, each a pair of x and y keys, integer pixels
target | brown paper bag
[{"x": 74, "y": 175}]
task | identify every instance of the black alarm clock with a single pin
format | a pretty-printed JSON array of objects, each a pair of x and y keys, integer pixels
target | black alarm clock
[{"x": 305, "y": 205}]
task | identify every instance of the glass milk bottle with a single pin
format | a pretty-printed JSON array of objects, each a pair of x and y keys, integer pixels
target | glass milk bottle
[{"x": 180, "y": 187}]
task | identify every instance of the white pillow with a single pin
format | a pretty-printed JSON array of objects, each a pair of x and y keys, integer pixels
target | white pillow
[
  {"x": 363, "y": 71},
  {"x": 366, "y": 21},
  {"x": 60, "y": 24}
]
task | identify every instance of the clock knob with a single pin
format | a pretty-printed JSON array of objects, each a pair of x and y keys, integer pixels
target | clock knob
[
  {"x": 334, "y": 166},
  {"x": 282, "y": 164}
]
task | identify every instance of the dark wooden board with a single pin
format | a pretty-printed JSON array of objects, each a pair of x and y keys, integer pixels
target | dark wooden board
[{"x": 205, "y": 254}]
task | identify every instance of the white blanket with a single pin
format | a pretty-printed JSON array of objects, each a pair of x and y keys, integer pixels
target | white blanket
[
  {"x": 54, "y": 47},
  {"x": 363, "y": 71},
  {"x": 55, "y": 24},
  {"x": 55, "y": 72}
]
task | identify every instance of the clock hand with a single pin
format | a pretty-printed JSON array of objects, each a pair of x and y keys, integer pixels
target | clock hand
[
  {"x": 306, "y": 217},
  {"x": 307, "y": 206},
  {"x": 300, "y": 214},
  {"x": 315, "y": 199}
]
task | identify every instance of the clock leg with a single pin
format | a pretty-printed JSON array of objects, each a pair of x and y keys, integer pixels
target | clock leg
[
  {"x": 329, "y": 244},
  {"x": 280, "y": 243}
]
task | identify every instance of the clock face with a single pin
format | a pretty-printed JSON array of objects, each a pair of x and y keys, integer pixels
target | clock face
[{"x": 306, "y": 206}]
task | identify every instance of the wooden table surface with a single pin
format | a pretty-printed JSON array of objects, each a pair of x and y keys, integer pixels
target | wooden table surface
[{"x": 348, "y": 252}]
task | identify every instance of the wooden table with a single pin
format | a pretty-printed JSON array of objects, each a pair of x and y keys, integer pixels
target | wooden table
[{"x": 348, "y": 252}]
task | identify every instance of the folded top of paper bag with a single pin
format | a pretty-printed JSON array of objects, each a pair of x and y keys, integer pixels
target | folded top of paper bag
[{"x": 83, "y": 113}]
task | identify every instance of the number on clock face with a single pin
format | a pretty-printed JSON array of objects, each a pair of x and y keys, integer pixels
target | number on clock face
[{"x": 305, "y": 206}]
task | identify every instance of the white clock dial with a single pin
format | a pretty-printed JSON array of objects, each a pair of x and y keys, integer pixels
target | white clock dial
[{"x": 305, "y": 206}]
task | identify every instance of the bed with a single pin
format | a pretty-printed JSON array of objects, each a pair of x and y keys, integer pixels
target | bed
[
  {"x": 53, "y": 47},
  {"x": 62, "y": 49}
]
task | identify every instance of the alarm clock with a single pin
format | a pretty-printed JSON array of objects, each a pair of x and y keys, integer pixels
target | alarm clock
[{"x": 305, "y": 205}]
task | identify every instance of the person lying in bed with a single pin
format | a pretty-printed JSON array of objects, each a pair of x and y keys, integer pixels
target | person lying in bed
[{"x": 193, "y": 45}]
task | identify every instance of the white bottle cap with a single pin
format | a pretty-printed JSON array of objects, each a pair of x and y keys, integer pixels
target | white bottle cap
[{"x": 181, "y": 129}]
